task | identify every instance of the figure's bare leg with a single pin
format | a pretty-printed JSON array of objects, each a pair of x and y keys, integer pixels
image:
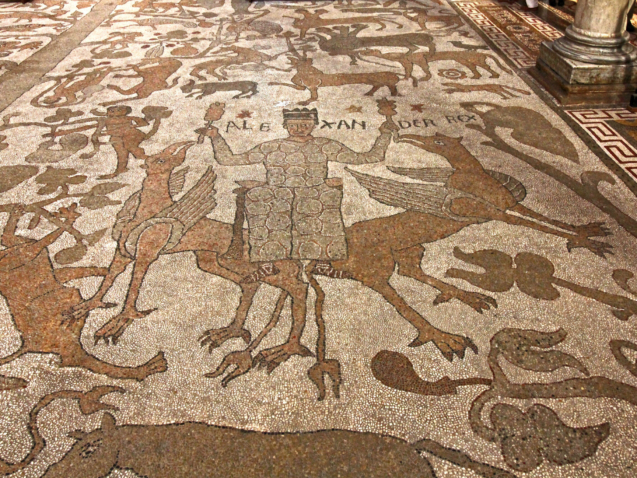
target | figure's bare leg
[
  {"x": 313, "y": 95},
  {"x": 409, "y": 261},
  {"x": 80, "y": 310},
  {"x": 149, "y": 246},
  {"x": 122, "y": 158},
  {"x": 288, "y": 280}
]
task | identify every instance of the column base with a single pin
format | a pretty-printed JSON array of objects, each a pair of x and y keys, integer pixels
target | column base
[{"x": 574, "y": 82}]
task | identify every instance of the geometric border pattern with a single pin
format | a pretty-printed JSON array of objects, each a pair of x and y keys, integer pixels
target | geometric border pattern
[
  {"x": 516, "y": 54},
  {"x": 512, "y": 50},
  {"x": 615, "y": 145},
  {"x": 546, "y": 29}
]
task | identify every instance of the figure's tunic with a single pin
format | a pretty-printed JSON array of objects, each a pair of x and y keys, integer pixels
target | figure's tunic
[{"x": 296, "y": 215}]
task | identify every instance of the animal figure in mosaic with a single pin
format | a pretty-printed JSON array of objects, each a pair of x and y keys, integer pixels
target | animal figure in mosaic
[
  {"x": 75, "y": 87},
  {"x": 310, "y": 78},
  {"x": 37, "y": 305},
  {"x": 470, "y": 60},
  {"x": 490, "y": 194},
  {"x": 264, "y": 28},
  {"x": 245, "y": 89},
  {"x": 422, "y": 16},
  {"x": 184, "y": 450},
  {"x": 153, "y": 73},
  {"x": 242, "y": 56},
  {"x": 345, "y": 41},
  {"x": 312, "y": 20},
  {"x": 89, "y": 403},
  {"x": 152, "y": 223}
]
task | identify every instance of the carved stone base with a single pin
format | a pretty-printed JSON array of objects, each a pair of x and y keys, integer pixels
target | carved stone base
[{"x": 576, "y": 83}]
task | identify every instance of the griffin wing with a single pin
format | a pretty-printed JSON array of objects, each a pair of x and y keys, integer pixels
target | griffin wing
[
  {"x": 126, "y": 214},
  {"x": 427, "y": 198},
  {"x": 427, "y": 175},
  {"x": 177, "y": 181},
  {"x": 197, "y": 202},
  {"x": 441, "y": 175}
]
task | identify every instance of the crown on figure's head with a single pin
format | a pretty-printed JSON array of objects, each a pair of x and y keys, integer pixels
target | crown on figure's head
[{"x": 301, "y": 114}]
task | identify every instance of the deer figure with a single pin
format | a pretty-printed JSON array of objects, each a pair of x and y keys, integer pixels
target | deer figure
[
  {"x": 345, "y": 41},
  {"x": 310, "y": 78}
]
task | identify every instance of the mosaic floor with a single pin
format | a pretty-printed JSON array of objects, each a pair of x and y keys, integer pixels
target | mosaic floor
[{"x": 309, "y": 239}]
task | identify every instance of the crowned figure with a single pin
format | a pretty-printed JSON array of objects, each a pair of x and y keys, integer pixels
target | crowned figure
[{"x": 296, "y": 213}]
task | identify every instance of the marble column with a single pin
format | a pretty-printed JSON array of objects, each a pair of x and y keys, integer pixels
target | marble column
[{"x": 593, "y": 63}]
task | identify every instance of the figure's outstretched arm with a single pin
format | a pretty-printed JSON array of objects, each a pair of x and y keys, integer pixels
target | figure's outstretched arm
[
  {"x": 225, "y": 156},
  {"x": 375, "y": 155}
]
